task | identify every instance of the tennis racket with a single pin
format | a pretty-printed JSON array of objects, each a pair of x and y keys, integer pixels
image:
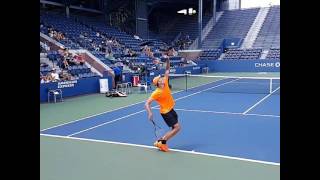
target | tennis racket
[{"x": 157, "y": 129}]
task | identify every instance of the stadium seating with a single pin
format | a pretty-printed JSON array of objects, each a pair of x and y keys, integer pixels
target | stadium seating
[
  {"x": 274, "y": 53},
  {"x": 181, "y": 24},
  {"x": 210, "y": 54},
  {"x": 232, "y": 24},
  {"x": 269, "y": 34},
  {"x": 241, "y": 54}
]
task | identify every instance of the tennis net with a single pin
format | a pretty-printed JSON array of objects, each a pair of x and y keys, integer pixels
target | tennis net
[{"x": 225, "y": 84}]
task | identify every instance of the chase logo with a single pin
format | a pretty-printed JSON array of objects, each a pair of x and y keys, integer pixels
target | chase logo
[{"x": 267, "y": 65}]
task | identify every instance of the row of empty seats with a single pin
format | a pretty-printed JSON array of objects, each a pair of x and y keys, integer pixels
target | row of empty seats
[
  {"x": 273, "y": 53},
  {"x": 232, "y": 24},
  {"x": 187, "y": 25},
  {"x": 211, "y": 54},
  {"x": 235, "y": 54},
  {"x": 269, "y": 34}
]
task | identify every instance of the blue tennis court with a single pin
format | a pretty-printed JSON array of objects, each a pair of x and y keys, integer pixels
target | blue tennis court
[{"x": 232, "y": 124}]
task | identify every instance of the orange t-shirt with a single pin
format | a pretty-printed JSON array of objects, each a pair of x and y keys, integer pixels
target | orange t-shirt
[{"x": 163, "y": 97}]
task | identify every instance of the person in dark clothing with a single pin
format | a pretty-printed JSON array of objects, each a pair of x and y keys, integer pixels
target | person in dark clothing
[{"x": 117, "y": 74}]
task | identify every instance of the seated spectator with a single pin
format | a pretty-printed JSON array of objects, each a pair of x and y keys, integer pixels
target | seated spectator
[
  {"x": 126, "y": 52},
  {"x": 136, "y": 37},
  {"x": 109, "y": 55},
  {"x": 71, "y": 61},
  {"x": 78, "y": 59},
  {"x": 81, "y": 35},
  {"x": 50, "y": 34},
  {"x": 132, "y": 53},
  {"x": 187, "y": 38},
  {"x": 156, "y": 61},
  {"x": 43, "y": 79},
  {"x": 54, "y": 75},
  {"x": 109, "y": 43},
  {"x": 99, "y": 48},
  {"x": 65, "y": 64},
  {"x": 46, "y": 79},
  {"x": 65, "y": 76},
  {"x": 174, "y": 52}
]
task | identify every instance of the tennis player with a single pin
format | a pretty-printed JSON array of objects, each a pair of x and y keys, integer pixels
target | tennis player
[{"x": 162, "y": 95}]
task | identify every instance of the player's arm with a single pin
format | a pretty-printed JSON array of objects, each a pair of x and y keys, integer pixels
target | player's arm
[
  {"x": 148, "y": 108},
  {"x": 167, "y": 67}
]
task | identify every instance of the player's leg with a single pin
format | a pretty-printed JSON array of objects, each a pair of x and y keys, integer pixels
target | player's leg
[
  {"x": 171, "y": 119},
  {"x": 175, "y": 129}
]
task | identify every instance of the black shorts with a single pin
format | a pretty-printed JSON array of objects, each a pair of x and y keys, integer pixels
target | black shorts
[{"x": 171, "y": 118}]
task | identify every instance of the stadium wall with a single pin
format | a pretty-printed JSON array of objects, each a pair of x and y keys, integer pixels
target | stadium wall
[
  {"x": 73, "y": 88},
  {"x": 259, "y": 65}
]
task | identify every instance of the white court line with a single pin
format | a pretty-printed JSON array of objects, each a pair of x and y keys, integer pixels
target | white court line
[
  {"x": 145, "y": 110},
  {"x": 245, "y": 112},
  {"x": 91, "y": 116},
  {"x": 206, "y": 89},
  {"x": 223, "y": 112},
  {"x": 106, "y": 123},
  {"x": 117, "y": 108},
  {"x": 175, "y": 150}
]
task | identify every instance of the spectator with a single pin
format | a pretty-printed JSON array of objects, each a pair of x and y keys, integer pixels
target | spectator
[
  {"x": 79, "y": 59},
  {"x": 126, "y": 52},
  {"x": 65, "y": 64},
  {"x": 50, "y": 33},
  {"x": 65, "y": 76},
  {"x": 109, "y": 55},
  {"x": 136, "y": 37},
  {"x": 187, "y": 38},
  {"x": 43, "y": 79},
  {"x": 131, "y": 53},
  {"x": 99, "y": 48},
  {"x": 118, "y": 75},
  {"x": 174, "y": 52},
  {"x": 156, "y": 61},
  {"x": 46, "y": 47},
  {"x": 70, "y": 59},
  {"x": 54, "y": 75},
  {"x": 46, "y": 79}
]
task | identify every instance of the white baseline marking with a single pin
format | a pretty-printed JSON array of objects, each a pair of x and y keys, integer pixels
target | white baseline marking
[
  {"x": 245, "y": 112},
  {"x": 152, "y": 147},
  {"x": 145, "y": 110}
]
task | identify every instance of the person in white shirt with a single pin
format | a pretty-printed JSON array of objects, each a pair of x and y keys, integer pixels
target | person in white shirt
[{"x": 55, "y": 75}]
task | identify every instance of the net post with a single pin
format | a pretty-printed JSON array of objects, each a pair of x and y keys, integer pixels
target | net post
[
  {"x": 186, "y": 81},
  {"x": 186, "y": 75}
]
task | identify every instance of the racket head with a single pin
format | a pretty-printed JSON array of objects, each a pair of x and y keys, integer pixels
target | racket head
[{"x": 158, "y": 131}]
